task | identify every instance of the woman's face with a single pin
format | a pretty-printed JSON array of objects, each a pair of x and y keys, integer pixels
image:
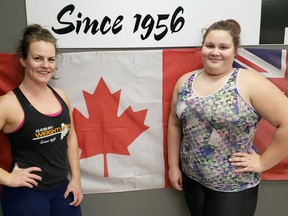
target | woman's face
[
  {"x": 218, "y": 52},
  {"x": 40, "y": 63}
]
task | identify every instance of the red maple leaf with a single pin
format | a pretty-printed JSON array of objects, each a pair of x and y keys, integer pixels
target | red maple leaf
[{"x": 103, "y": 131}]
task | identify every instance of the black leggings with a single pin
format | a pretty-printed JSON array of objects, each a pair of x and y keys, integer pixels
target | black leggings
[
  {"x": 202, "y": 201},
  {"x": 23, "y": 201}
]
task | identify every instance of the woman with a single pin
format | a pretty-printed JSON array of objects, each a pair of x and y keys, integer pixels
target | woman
[
  {"x": 37, "y": 120},
  {"x": 214, "y": 115}
]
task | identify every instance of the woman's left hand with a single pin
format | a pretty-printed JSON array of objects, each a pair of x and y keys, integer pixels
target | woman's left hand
[
  {"x": 75, "y": 188},
  {"x": 246, "y": 162}
]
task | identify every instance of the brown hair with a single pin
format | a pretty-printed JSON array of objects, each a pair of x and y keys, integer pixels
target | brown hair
[
  {"x": 32, "y": 33},
  {"x": 230, "y": 25}
]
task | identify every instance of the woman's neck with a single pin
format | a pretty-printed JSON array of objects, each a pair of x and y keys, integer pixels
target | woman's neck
[{"x": 32, "y": 89}]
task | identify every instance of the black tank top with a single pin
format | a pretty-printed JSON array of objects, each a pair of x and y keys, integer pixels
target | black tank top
[{"x": 42, "y": 141}]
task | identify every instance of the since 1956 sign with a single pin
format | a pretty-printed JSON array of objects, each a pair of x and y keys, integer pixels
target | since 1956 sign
[{"x": 134, "y": 24}]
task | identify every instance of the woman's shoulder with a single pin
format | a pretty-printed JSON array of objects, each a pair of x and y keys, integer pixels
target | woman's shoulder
[
  {"x": 185, "y": 77},
  {"x": 9, "y": 104},
  {"x": 250, "y": 76},
  {"x": 255, "y": 83},
  {"x": 58, "y": 90},
  {"x": 61, "y": 93},
  {"x": 8, "y": 98},
  {"x": 249, "y": 73}
]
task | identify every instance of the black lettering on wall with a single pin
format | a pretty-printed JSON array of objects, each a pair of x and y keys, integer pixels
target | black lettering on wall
[
  {"x": 69, "y": 8},
  {"x": 85, "y": 24},
  {"x": 157, "y": 26}
]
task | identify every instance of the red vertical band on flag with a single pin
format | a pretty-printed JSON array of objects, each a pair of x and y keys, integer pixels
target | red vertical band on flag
[
  {"x": 10, "y": 77},
  {"x": 175, "y": 64}
]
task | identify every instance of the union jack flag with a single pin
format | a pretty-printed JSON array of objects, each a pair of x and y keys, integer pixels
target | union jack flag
[{"x": 271, "y": 63}]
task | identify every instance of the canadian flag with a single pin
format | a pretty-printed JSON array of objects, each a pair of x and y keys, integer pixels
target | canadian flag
[
  {"x": 121, "y": 101},
  {"x": 121, "y": 104},
  {"x": 117, "y": 100}
]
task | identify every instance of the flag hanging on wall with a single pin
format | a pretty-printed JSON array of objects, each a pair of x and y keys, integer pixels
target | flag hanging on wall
[
  {"x": 117, "y": 100},
  {"x": 121, "y": 104},
  {"x": 273, "y": 65},
  {"x": 11, "y": 75}
]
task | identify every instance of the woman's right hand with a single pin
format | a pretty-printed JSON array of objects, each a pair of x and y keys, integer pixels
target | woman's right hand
[
  {"x": 175, "y": 177},
  {"x": 23, "y": 177}
]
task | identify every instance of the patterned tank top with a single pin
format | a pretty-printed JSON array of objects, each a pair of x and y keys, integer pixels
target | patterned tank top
[{"x": 215, "y": 127}]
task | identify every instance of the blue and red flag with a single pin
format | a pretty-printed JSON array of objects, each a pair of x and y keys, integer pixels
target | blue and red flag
[{"x": 121, "y": 103}]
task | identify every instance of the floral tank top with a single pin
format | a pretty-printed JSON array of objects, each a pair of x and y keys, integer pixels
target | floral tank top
[{"x": 215, "y": 127}]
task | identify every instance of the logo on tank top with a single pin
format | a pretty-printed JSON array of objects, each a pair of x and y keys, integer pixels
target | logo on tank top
[{"x": 46, "y": 132}]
